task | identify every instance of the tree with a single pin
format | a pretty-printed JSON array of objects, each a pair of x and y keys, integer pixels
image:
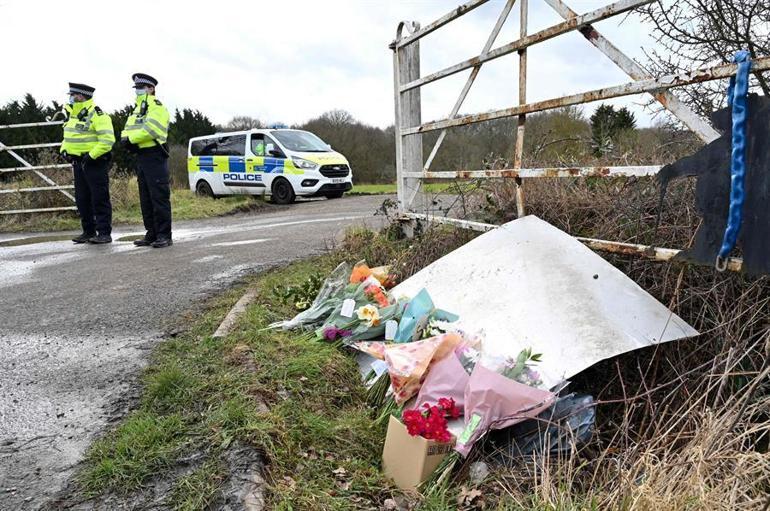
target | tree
[
  {"x": 606, "y": 124},
  {"x": 338, "y": 118},
  {"x": 624, "y": 120},
  {"x": 26, "y": 111},
  {"x": 122, "y": 160},
  {"x": 370, "y": 150},
  {"x": 244, "y": 123},
  {"x": 695, "y": 33},
  {"x": 190, "y": 123}
]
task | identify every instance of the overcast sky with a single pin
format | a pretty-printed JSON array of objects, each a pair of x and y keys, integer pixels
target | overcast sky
[{"x": 290, "y": 60}]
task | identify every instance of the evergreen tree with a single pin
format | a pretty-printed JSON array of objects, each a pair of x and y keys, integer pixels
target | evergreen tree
[
  {"x": 606, "y": 124},
  {"x": 190, "y": 123}
]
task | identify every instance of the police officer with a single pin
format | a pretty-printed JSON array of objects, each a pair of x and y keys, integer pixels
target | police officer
[
  {"x": 145, "y": 135},
  {"x": 87, "y": 144}
]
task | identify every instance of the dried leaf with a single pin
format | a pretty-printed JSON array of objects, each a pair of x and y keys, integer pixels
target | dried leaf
[
  {"x": 470, "y": 499},
  {"x": 389, "y": 505}
]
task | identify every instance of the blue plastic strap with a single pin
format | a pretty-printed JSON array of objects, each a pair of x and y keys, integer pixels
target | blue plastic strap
[{"x": 737, "y": 97}]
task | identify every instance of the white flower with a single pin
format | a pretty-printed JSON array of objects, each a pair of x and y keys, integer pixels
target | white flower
[{"x": 370, "y": 314}]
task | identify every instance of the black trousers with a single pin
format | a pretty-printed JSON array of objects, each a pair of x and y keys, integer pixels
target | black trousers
[
  {"x": 92, "y": 194},
  {"x": 154, "y": 192}
]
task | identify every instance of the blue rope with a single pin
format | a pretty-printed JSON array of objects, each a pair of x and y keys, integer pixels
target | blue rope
[{"x": 737, "y": 97}]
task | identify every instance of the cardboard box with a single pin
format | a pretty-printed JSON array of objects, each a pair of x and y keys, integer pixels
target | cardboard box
[{"x": 410, "y": 460}]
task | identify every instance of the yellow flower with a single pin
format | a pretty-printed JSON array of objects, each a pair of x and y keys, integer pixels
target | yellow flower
[{"x": 370, "y": 314}]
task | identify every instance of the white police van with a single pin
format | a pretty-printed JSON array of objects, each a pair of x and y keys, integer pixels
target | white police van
[{"x": 282, "y": 163}]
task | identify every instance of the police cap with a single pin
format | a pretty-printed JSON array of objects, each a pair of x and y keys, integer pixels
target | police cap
[
  {"x": 143, "y": 80},
  {"x": 81, "y": 88}
]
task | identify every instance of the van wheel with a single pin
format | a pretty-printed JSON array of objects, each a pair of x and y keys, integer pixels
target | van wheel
[
  {"x": 204, "y": 190},
  {"x": 282, "y": 192},
  {"x": 334, "y": 195}
]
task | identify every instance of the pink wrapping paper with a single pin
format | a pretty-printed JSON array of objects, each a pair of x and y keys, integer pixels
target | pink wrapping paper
[
  {"x": 373, "y": 348},
  {"x": 409, "y": 362},
  {"x": 446, "y": 378},
  {"x": 493, "y": 401}
]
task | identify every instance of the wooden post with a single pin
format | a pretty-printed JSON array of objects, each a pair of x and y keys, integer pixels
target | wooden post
[
  {"x": 406, "y": 68},
  {"x": 520, "y": 211}
]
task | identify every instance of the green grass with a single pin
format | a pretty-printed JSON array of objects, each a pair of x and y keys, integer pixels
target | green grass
[
  {"x": 143, "y": 444},
  {"x": 383, "y": 189},
  {"x": 380, "y": 189},
  {"x": 199, "y": 489},
  {"x": 202, "y": 395},
  {"x": 185, "y": 205}
]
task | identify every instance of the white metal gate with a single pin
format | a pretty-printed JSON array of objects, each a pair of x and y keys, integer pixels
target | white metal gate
[
  {"x": 411, "y": 170},
  {"x": 26, "y": 166}
]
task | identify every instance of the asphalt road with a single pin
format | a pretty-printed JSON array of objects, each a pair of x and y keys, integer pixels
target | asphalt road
[{"x": 77, "y": 323}]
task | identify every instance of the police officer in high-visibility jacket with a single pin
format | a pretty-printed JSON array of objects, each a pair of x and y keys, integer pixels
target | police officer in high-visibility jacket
[
  {"x": 87, "y": 144},
  {"x": 145, "y": 134}
]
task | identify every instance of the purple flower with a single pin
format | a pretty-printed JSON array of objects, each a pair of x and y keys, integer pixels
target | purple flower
[{"x": 332, "y": 333}]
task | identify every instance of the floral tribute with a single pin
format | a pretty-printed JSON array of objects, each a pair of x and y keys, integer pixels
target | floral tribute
[
  {"x": 431, "y": 423},
  {"x": 332, "y": 333}
]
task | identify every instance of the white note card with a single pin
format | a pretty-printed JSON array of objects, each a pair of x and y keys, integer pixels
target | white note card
[
  {"x": 347, "y": 308},
  {"x": 379, "y": 367},
  {"x": 391, "y": 327}
]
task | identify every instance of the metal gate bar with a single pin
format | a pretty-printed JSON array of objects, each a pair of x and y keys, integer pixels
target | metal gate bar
[
  {"x": 625, "y": 171},
  {"x": 538, "y": 37},
  {"x": 38, "y": 189},
  {"x": 36, "y": 169},
  {"x": 689, "y": 118},
  {"x": 410, "y": 169},
  {"x": 647, "y": 251},
  {"x": 626, "y": 89}
]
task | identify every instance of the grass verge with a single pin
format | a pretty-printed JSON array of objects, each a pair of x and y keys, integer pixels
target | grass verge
[
  {"x": 202, "y": 395},
  {"x": 185, "y": 205},
  {"x": 385, "y": 189}
]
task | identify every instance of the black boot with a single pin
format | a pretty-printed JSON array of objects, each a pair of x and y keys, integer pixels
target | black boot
[
  {"x": 144, "y": 242},
  {"x": 162, "y": 243},
  {"x": 101, "y": 239},
  {"x": 83, "y": 238}
]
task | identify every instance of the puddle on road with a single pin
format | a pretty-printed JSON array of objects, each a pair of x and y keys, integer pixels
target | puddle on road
[
  {"x": 131, "y": 237},
  {"x": 35, "y": 239},
  {"x": 18, "y": 242}
]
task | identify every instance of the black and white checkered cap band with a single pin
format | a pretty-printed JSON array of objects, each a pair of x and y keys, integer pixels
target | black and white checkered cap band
[
  {"x": 76, "y": 90},
  {"x": 143, "y": 81}
]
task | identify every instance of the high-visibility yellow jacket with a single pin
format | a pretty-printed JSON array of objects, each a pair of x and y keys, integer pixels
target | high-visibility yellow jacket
[
  {"x": 87, "y": 130},
  {"x": 148, "y": 123}
]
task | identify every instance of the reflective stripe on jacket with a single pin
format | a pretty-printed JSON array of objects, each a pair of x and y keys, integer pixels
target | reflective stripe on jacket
[
  {"x": 87, "y": 130},
  {"x": 148, "y": 123}
]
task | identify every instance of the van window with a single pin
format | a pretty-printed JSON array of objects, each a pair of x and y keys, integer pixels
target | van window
[
  {"x": 258, "y": 144},
  {"x": 203, "y": 147},
  {"x": 301, "y": 141},
  {"x": 231, "y": 146},
  {"x": 270, "y": 145}
]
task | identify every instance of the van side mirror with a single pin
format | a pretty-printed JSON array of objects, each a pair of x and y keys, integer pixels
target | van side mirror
[{"x": 275, "y": 152}]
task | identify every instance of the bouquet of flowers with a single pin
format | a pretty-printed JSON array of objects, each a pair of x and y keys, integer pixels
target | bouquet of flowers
[
  {"x": 431, "y": 422},
  {"x": 449, "y": 376},
  {"x": 408, "y": 363},
  {"x": 366, "y": 286},
  {"x": 361, "y": 272},
  {"x": 501, "y": 391},
  {"x": 421, "y": 319},
  {"x": 330, "y": 296},
  {"x": 365, "y": 318},
  {"x": 520, "y": 368}
]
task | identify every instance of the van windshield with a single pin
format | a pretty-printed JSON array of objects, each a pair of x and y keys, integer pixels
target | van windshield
[{"x": 301, "y": 141}]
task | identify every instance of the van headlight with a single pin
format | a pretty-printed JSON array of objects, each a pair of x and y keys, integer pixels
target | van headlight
[{"x": 304, "y": 164}]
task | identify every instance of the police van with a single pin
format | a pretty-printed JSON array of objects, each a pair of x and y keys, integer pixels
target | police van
[{"x": 281, "y": 163}]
